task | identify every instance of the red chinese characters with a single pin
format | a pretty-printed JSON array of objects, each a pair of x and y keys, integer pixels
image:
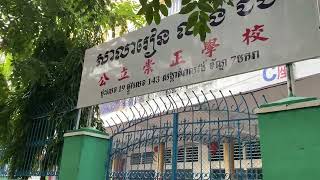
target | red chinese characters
[
  {"x": 147, "y": 68},
  {"x": 254, "y": 34},
  {"x": 210, "y": 47},
  {"x": 124, "y": 74},
  {"x": 103, "y": 79},
  {"x": 177, "y": 59},
  {"x": 282, "y": 72}
]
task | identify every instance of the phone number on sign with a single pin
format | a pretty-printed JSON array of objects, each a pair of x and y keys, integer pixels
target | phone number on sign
[{"x": 239, "y": 59}]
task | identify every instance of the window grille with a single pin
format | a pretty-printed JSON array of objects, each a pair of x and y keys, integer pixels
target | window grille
[
  {"x": 167, "y": 156},
  {"x": 147, "y": 157},
  {"x": 191, "y": 154},
  {"x": 216, "y": 152},
  {"x": 135, "y": 158},
  {"x": 253, "y": 150},
  {"x": 238, "y": 151}
]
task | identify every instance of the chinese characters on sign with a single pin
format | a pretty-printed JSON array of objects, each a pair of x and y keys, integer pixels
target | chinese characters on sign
[
  {"x": 210, "y": 47},
  {"x": 282, "y": 72},
  {"x": 103, "y": 79},
  {"x": 177, "y": 59},
  {"x": 244, "y": 8},
  {"x": 251, "y": 35},
  {"x": 124, "y": 74},
  {"x": 147, "y": 68}
]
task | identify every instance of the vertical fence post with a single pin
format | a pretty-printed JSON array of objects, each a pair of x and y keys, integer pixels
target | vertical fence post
[
  {"x": 175, "y": 132},
  {"x": 78, "y": 118},
  {"x": 109, "y": 159},
  {"x": 91, "y": 113},
  {"x": 290, "y": 80}
]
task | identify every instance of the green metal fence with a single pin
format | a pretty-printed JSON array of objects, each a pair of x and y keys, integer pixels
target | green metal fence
[
  {"x": 209, "y": 139},
  {"x": 43, "y": 147}
]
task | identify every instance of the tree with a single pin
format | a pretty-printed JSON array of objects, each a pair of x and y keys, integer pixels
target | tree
[
  {"x": 122, "y": 14},
  {"x": 45, "y": 41},
  {"x": 198, "y": 10}
]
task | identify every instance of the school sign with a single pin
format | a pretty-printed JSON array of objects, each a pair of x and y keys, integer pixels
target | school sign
[{"x": 252, "y": 35}]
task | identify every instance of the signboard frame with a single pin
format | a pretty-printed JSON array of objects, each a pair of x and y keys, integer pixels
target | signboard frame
[{"x": 167, "y": 56}]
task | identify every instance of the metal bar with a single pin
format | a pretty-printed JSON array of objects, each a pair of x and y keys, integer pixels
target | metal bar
[
  {"x": 122, "y": 123},
  {"x": 108, "y": 164},
  {"x": 249, "y": 125},
  {"x": 78, "y": 118},
  {"x": 290, "y": 80},
  {"x": 161, "y": 173},
  {"x": 175, "y": 146},
  {"x": 90, "y": 117},
  {"x": 184, "y": 140},
  {"x": 146, "y": 142}
]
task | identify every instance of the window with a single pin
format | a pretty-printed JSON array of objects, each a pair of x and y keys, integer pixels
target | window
[
  {"x": 135, "y": 158},
  {"x": 238, "y": 151},
  {"x": 181, "y": 154},
  {"x": 191, "y": 154},
  {"x": 188, "y": 154},
  {"x": 253, "y": 150},
  {"x": 167, "y": 156},
  {"x": 185, "y": 154},
  {"x": 147, "y": 157},
  {"x": 141, "y": 158},
  {"x": 215, "y": 152}
]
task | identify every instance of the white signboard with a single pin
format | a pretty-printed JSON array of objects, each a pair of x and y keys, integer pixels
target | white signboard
[{"x": 252, "y": 35}]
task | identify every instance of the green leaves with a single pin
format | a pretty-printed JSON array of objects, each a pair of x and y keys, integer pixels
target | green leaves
[
  {"x": 168, "y": 3},
  {"x": 164, "y": 10},
  {"x": 184, "y": 2},
  {"x": 149, "y": 13},
  {"x": 192, "y": 20},
  {"x": 156, "y": 17},
  {"x": 204, "y": 17},
  {"x": 230, "y": 3},
  {"x": 156, "y": 5},
  {"x": 198, "y": 19},
  {"x": 199, "y": 11},
  {"x": 151, "y": 10},
  {"x": 188, "y": 8},
  {"x": 125, "y": 11},
  {"x": 196, "y": 28},
  {"x": 143, "y": 2},
  {"x": 141, "y": 11},
  {"x": 205, "y": 7}
]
